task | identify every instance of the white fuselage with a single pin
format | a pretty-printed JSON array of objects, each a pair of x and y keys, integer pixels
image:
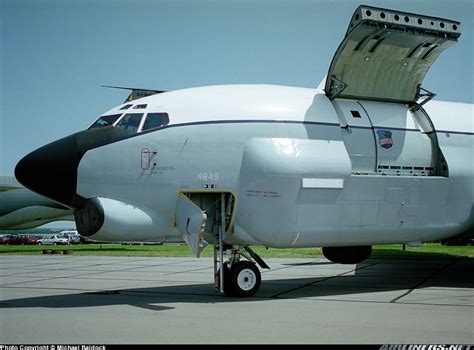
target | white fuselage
[{"x": 305, "y": 171}]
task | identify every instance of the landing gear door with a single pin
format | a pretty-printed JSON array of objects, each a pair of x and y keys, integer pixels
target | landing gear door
[{"x": 190, "y": 221}]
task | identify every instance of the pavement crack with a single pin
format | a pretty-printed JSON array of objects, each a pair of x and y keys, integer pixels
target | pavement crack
[
  {"x": 320, "y": 280},
  {"x": 423, "y": 281}
]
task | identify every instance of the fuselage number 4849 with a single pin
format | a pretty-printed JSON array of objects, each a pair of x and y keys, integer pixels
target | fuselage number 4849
[{"x": 205, "y": 176}]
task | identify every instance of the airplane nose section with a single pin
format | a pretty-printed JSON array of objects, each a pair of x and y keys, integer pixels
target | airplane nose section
[{"x": 52, "y": 170}]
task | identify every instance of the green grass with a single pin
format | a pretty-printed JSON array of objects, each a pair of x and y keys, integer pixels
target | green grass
[{"x": 393, "y": 251}]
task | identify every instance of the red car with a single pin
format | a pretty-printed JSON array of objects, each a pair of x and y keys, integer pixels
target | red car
[
  {"x": 5, "y": 239},
  {"x": 23, "y": 239}
]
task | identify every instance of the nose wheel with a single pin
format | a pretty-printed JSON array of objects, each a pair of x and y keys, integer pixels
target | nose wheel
[{"x": 243, "y": 279}]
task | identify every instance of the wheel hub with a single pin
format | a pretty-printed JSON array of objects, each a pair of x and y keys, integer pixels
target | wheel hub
[{"x": 246, "y": 279}]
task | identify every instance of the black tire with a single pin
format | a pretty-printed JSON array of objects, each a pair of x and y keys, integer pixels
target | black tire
[
  {"x": 244, "y": 280},
  {"x": 347, "y": 255}
]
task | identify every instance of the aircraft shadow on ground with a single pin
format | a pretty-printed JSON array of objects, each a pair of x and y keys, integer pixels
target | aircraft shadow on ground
[{"x": 367, "y": 278}]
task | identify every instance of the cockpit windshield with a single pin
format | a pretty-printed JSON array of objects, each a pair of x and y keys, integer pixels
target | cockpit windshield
[
  {"x": 133, "y": 122},
  {"x": 130, "y": 122},
  {"x": 106, "y": 120}
]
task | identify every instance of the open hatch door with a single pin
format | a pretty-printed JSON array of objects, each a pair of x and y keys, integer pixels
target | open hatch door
[
  {"x": 136, "y": 93},
  {"x": 190, "y": 221},
  {"x": 386, "y": 54}
]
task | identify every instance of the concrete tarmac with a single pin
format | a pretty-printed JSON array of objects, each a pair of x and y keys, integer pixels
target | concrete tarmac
[{"x": 66, "y": 299}]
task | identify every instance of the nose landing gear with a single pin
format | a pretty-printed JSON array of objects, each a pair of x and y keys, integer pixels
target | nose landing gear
[{"x": 208, "y": 216}]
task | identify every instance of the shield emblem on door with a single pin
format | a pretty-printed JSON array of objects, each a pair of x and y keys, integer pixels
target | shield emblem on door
[{"x": 385, "y": 138}]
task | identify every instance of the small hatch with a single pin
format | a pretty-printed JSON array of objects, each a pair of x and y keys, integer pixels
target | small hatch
[
  {"x": 126, "y": 107},
  {"x": 356, "y": 114}
]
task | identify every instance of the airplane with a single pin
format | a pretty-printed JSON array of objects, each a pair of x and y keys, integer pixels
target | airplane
[
  {"x": 22, "y": 209},
  {"x": 368, "y": 157}
]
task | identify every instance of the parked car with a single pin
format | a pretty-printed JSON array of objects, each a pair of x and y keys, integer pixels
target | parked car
[
  {"x": 23, "y": 239},
  {"x": 71, "y": 235},
  {"x": 53, "y": 239},
  {"x": 75, "y": 238},
  {"x": 458, "y": 241},
  {"x": 5, "y": 239}
]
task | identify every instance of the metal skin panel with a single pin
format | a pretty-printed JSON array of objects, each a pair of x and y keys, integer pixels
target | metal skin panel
[
  {"x": 127, "y": 222},
  {"x": 358, "y": 136},
  {"x": 231, "y": 102},
  {"x": 271, "y": 180},
  {"x": 454, "y": 125}
]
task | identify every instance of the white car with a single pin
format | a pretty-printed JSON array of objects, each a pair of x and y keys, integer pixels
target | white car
[
  {"x": 71, "y": 235},
  {"x": 53, "y": 239}
]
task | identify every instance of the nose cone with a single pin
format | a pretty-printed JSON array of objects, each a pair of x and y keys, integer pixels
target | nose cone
[{"x": 52, "y": 170}]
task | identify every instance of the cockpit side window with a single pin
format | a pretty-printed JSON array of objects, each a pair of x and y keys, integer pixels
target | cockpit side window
[
  {"x": 130, "y": 122},
  {"x": 155, "y": 120},
  {"x": 106, "y": 120}
]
